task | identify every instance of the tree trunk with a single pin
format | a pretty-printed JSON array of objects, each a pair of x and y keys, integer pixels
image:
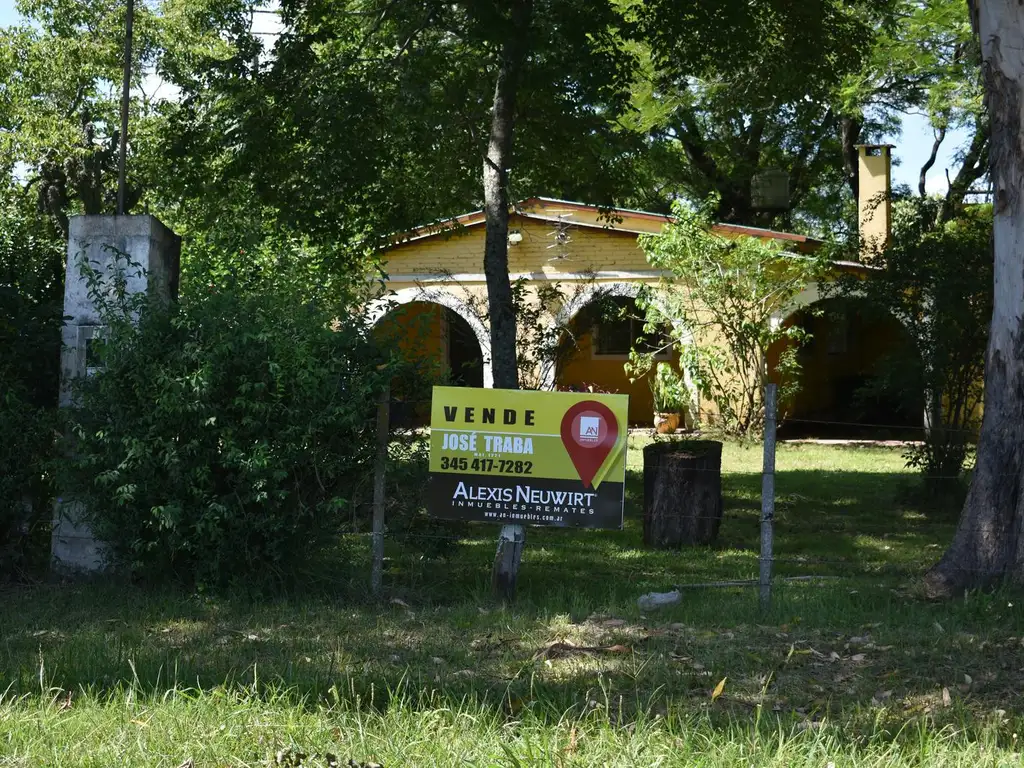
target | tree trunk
[
  {"x": 973, "y": 165},
  {"x": 849, "y": 134},
  {"x": 496, "y": 201},
  {"x": 988, "y": 546},
  {"x": 682, "y": 493}
]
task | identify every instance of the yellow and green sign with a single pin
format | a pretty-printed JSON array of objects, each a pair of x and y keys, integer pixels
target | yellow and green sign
[{"x": 525, "y": 457}]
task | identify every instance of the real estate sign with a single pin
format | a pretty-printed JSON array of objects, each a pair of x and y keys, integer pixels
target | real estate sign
[{"x": 526, "y": 457}]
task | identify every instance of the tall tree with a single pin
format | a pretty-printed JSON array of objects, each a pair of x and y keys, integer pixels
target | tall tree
[
  {"x": 373, "y": 116},
  {"x": 513, "y": 52},
  {"x": 988, "y": 545},
  {"x": 59, "y": 113},
  {"x": 924, "y": 59},
  {"x": 59, "y": 106},
  {"x": 829, "y": 75},
  {"x": 730, "y": 91}
]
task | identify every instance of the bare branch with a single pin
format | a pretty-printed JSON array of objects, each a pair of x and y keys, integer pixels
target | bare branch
[{"x": 940, "y": 136}]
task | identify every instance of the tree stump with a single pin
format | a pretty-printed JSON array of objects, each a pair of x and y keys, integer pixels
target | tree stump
[{"x": 682, "y": 493}]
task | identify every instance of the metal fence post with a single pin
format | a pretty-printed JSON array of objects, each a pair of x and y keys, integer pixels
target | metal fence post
[
  {"x": 377, "y": 539},
  {"x": 768, "y": 496}
]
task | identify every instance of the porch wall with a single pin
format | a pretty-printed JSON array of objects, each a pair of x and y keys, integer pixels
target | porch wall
[
  {"x": 461, "y": 253},
  {"x": 593, "y": 258}
]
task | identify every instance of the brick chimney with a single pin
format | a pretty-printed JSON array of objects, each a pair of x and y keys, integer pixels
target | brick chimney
[{"x": 874, "y": 204}]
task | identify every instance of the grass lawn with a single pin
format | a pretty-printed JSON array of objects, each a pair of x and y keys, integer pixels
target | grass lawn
[{"x": 848, "y": 671}]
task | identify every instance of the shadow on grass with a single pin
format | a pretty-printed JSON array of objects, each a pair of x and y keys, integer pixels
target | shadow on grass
[
  {"x": 854, "y": 647},
  {"x": 839, "y": 523},
  {"x": 862, "y": 656}
]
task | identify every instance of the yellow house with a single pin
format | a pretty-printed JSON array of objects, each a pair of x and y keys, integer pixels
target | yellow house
[{"x": 565, "y": 256}]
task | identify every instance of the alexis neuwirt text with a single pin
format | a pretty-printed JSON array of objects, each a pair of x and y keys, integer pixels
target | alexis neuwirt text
[{"x": 524, "y": 500}]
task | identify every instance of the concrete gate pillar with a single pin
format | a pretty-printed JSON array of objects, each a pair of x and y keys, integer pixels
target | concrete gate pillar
[{"x": 146, "y": 254}]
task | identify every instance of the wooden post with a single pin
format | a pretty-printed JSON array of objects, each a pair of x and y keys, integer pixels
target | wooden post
[
  {"x": 383, "y": 418},
  {"x": 768, "y": 496},
  {"x": 506, "y": 562}
]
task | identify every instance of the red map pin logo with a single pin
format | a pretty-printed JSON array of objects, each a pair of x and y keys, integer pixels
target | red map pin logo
[{"x": 589, "y": 432}]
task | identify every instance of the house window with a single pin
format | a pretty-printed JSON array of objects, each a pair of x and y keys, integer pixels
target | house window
[{"x": 619, "y": 329}]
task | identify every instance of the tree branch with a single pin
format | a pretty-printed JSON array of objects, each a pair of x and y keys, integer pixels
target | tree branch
[
  {"x": 692, "y": 141},
  {"x": 973, "y": 166},
  {"x": 807, "y": 156},
  {"x": 850, "y": 128},
  {"x": 940, "y": 135}
]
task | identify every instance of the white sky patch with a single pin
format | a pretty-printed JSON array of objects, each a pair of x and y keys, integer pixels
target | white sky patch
[
  {"x": 8, "y": 13},
  {"x": 265, "y": 25},
  {"x": 914, "y": 146}
]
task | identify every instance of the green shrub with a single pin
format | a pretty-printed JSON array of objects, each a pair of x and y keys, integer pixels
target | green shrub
[
  {"x": 220, "y": 443},
  {"x": 25, "y": 489},
  {"x": 406, "y": 518},
  {"x": 31, "y": 307},
  {"x": 718, "y": 299}
]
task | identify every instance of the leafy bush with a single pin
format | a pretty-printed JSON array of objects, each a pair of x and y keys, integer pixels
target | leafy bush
[
  {"x": 935, "y": 278},
  {"x": 406, "y": 518},
  {"x": 31, "y": 306},
  {"x": 719, "y": 298},
  {"x": 668, "y": 389},
  {"x": 25, "y": 489},
  {"x": 221, "y": 441}
]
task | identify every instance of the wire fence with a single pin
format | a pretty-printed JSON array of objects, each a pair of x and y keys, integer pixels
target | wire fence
[{"x": 784, "y": 515}]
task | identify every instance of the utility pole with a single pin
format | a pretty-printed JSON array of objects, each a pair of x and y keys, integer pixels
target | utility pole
[{"x": 125, "y": 98}]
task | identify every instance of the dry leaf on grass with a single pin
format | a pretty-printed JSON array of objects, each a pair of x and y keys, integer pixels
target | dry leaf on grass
[{"x": 718, "y": 689}]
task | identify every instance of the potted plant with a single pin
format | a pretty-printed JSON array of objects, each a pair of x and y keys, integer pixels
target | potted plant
[{"x": 670, "y": 396}]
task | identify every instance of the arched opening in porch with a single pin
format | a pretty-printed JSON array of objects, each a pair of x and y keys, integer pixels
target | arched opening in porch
[
  {"x": 446, "y": 343},
  {"x": 601, "y": 326},
  {"x": 847, "y": 387}
]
